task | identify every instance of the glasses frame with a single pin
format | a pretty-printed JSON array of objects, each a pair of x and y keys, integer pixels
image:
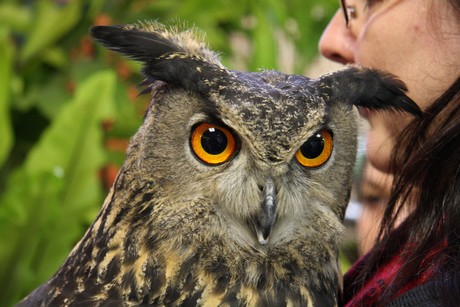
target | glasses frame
[{"x": 345, "y": 11}]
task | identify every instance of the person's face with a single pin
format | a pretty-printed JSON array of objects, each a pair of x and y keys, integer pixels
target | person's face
[{"x": 417, "y": 40}]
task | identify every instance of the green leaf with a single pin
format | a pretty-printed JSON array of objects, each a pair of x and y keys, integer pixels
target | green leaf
[
  {"x": 14, "y": 16},
  {"x": 6, "y": 55},
  {"x": 44, "y": 209},
  {"x": 52, "y": 23},
  {"x": 75, "y": 131}
]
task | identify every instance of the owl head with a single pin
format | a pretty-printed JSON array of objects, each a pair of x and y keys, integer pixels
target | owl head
[{"x": 268, "y": 150}]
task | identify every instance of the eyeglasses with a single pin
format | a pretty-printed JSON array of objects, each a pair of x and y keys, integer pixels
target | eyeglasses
[{"x": 349, "y": 11}]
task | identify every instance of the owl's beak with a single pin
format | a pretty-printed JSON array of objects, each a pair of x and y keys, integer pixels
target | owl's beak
[{"x": 267, "y": 215}]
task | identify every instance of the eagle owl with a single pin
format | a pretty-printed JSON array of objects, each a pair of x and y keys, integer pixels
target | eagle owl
[{"x": 233, "y": 189}]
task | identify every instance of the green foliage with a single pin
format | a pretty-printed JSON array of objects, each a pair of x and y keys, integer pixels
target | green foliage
[
  {"x": 48, "y": 198},
  {"x": 6, "y": 55},
  {"x": 63, "y": 100}
]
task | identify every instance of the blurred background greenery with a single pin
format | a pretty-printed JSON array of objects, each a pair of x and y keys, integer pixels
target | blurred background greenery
[{"x": 68, "y": 107}]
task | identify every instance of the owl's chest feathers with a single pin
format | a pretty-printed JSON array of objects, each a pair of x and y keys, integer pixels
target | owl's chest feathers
[
  {"x": 205, "y": 269},
  {"x": 215, "y": 273},
  {"x": 157, "y": 255}
]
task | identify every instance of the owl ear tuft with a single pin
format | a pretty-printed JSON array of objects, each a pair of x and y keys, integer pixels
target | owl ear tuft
[
  {"x": 168, "y": 55},
  {"x": 369, "y": 88}
]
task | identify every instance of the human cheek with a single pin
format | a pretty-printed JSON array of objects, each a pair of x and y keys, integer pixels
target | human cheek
[
  {"x": 373, "y": 49},
  {"x": 401, "y": 51}
]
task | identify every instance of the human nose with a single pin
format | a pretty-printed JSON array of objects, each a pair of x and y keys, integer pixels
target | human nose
[{"x": 336, "y": 42}]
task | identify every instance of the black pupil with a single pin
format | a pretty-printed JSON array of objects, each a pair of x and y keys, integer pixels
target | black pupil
[
  {"x": 214, "y": 141},
  {"x": 313, "y": 147}
]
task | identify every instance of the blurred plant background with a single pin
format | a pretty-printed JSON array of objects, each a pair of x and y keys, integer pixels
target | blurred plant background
[{"x": 68, "y": 107}]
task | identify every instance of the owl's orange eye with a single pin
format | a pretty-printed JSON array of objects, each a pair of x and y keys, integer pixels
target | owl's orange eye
[
  {"x": 212, "y": 144},
  {"x": 316, "y": 150}
]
